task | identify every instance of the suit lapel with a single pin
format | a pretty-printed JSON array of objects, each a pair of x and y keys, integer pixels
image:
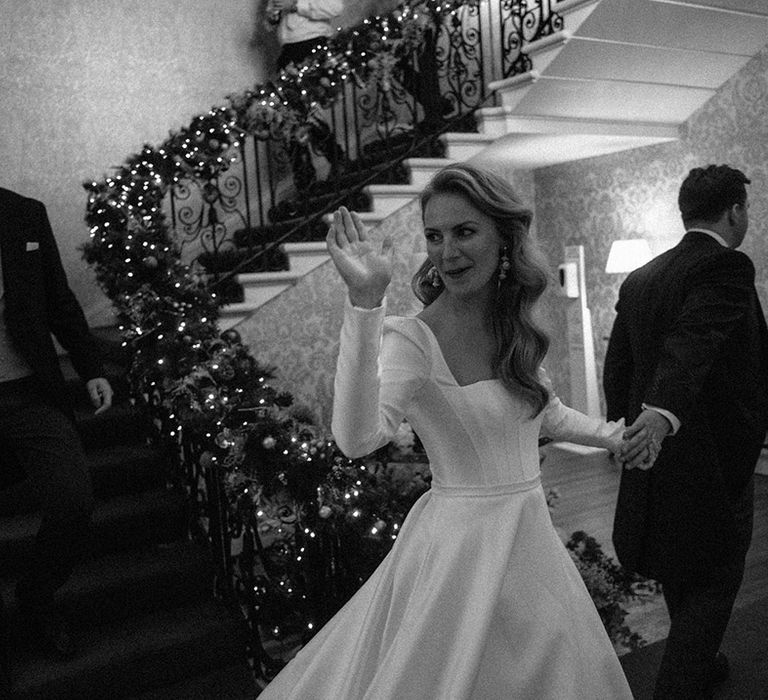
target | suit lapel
[{"x": 11, "y": 251}]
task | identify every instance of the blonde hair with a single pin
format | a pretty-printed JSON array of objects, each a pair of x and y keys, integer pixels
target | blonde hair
[{"x": 521, "y": 343}]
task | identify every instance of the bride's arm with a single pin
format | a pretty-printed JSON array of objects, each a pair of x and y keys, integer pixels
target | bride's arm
[
  {"x": 561, "y": 422},
  {"x": 376, "y": 379}
]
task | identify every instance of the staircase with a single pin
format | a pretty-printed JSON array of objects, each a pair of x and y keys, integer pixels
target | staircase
[
  {"x": 622, "y": 74},
  {"x": 142, "y": 607}
]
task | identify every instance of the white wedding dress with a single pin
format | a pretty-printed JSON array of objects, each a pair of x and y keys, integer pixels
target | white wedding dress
[{"x": 478, "y": 598}]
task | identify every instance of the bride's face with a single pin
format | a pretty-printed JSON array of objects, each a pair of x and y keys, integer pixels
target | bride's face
[{"x": 462, "y": 243}]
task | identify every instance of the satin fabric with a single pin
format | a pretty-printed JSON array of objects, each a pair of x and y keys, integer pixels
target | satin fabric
[{"x": 478, "y": 599}]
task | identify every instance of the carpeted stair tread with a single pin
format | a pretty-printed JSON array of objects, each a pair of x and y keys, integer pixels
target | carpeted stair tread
[
  {"x": 307, "y": 206},
  {"x": 122, "y": 523},
  {"x": 120, "y": 425},
  {"x": 115, "y": 470},
  {"x": 128, "y": 657},
  {"x": 231, "y": 683},
  {"x": 121, "y": 469},
  {"x": 142, "y": 605},
  {"x": 129, "y": 583}
]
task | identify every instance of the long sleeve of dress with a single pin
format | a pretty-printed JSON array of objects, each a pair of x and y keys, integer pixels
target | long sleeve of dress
[
  {"x": 567, "y": 424},
  {"x": 378, "y": 372}
]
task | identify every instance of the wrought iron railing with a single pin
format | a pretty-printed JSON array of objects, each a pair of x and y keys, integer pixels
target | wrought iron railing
[
  {"x": 232, "y": 215},
  {"x": 284, "y": 180}
]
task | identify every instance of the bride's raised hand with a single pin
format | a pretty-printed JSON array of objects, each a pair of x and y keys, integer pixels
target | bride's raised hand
[{"x": 365, "y": 266}]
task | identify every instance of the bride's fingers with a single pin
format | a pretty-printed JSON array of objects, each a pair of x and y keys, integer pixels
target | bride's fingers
[
  {"x": 634, "y": 444},
  {"x": 350, "y": 229},
  {"x": 639, "y": 460},
  {"x": 358, "y": 222},
  {"x": 335, "y": 239}
]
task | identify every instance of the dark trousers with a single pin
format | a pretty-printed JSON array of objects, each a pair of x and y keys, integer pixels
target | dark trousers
[
  {"x": 699, "y": 613},
  {"x": 297, "y": 52},
  {"x": 44, "y": 442}
]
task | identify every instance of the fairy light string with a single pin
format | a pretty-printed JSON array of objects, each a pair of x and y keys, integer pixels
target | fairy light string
[{"x": 203, "y": 385}]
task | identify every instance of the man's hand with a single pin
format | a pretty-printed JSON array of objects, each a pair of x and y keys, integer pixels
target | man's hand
[
  {"x": 642, "y": 440},
  {"x": 100, "y": 393}
]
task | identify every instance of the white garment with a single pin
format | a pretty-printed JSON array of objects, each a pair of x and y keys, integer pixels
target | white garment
[
  {"x": 313, "y": 18},
  {"x": 478, "y": 598}
]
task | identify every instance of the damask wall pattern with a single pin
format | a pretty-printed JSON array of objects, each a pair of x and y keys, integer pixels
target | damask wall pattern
[{"x": 634, "y": 195}]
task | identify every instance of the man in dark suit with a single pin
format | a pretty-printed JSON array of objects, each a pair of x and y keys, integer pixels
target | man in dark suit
[
  {"x": 688, "y": 358},
  {"x": 36, "y": 420}
]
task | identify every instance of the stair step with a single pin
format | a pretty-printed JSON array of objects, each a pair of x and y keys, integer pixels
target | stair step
[
  {"x": 462, "y": 147},
  {"x": 226, "y": 260},
  {"x": 261, "y": 235},
  {"x": 513, "y": 90},
  {"x": 114, "y": 470},
  {"x": 232, "y": 683},
  {"x": 500, "y": 122},
  {"x": 612, "y": 100},
  {"x": 543, "y": 51},
  {"x": 260, "y": 287},
  {"x": 132, "y": 656},
  {"x": 300, "y": 208},
  {"x": 125, "y": 584},
  {"x": 120, "y": 524},
  {"x": 122, "y": 424},
  {"x": 123, "y": 469},
  {"x": 387, "y": 199},
  {"x": 423, "y": 169},
  {"x": 369, "y": 218},
  {"x": 305, "y": 257},
  {"x": 575, "y": 12}
]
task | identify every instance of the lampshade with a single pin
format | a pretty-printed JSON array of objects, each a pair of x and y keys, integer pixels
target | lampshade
[{"x": 628, "y": 255}]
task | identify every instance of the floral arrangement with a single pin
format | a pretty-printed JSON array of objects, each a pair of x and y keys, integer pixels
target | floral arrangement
[
  {"x": 610, "y": 586},
  {"x": 313, "y": 524}
]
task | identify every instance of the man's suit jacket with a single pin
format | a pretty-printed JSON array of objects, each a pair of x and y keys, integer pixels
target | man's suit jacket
[
  {"x": 690, "y": 337},
  {"x": 38, "y": 300}
]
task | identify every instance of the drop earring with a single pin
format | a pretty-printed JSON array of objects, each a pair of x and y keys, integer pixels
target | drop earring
[
  {"x": 504, "y": 265},
  {"x": 433, "y": 277}
]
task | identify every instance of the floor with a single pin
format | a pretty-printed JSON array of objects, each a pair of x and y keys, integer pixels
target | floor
[{"x": 587, "y": 484}]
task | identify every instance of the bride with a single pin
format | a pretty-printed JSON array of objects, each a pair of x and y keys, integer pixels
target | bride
[{"x": 478, "y": 598}]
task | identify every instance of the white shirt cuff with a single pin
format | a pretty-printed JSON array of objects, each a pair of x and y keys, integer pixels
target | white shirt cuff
[{"x": 673, "y": 420}]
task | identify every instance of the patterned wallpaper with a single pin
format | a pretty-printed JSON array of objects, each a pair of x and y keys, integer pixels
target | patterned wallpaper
[
  {"x": 84, "y": 83},
  {"x": 634, "y": 195}
]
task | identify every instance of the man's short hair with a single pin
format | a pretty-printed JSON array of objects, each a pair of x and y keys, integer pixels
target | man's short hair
[{"x": 708, "y": 192}]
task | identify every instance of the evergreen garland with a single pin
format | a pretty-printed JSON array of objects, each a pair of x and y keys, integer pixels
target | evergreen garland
[{"x": 297, "y": 504}]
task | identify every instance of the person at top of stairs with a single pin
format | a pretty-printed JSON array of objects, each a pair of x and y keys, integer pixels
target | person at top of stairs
[
  {"x": 37, "y": 429},
  {"x": 301, "y": 25}
]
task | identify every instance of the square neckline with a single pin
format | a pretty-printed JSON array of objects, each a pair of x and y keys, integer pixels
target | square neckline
[{"x": 439, "y": 352}]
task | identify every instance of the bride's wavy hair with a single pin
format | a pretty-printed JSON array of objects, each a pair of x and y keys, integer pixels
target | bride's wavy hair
[{"x": 521, "y": 343}]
